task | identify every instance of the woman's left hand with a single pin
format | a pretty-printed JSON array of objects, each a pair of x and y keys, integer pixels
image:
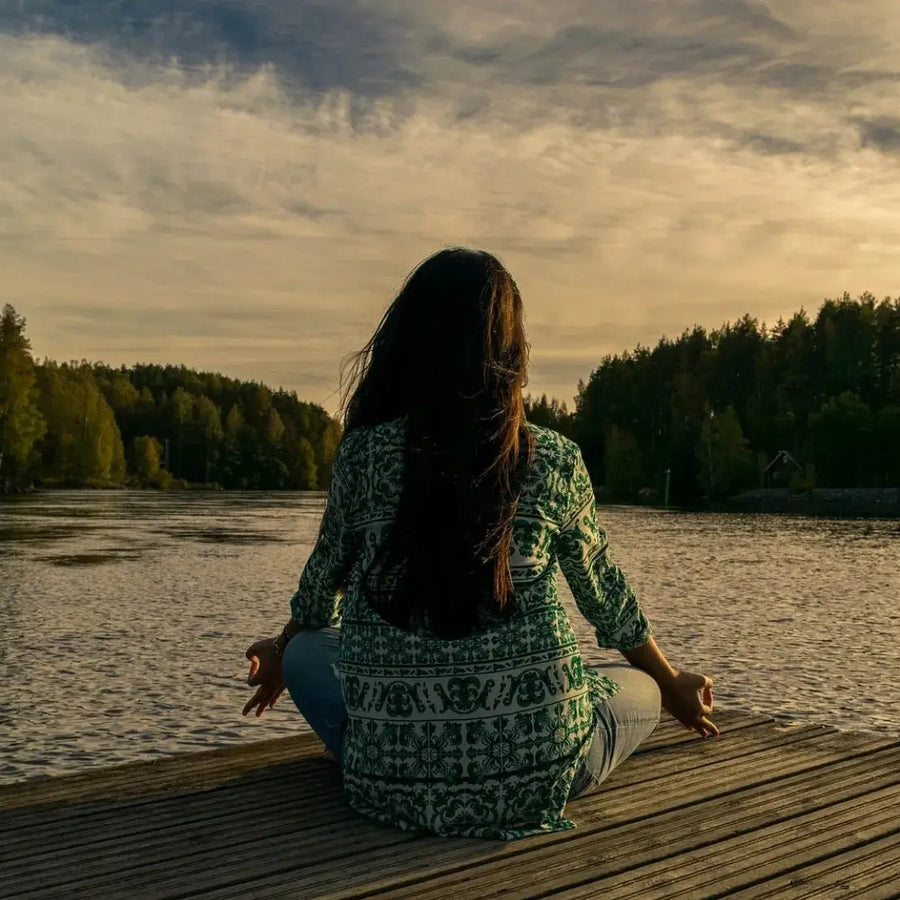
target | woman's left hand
[
  {"x": 266, "y": 673},
  {"x": 688, "y": 697}
]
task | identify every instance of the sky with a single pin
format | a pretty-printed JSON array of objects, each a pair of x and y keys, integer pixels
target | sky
[{"x": 243, "y": 186}]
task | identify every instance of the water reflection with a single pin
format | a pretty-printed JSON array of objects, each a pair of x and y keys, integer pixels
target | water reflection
[
  {"x": 86, "y": 559},
  {"x": 124, "y": 615}
]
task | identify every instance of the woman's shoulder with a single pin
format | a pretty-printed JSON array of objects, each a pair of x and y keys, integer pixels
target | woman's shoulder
[
  {"x": 552, "y": 475},
  {"x": 553, "y": 447}
]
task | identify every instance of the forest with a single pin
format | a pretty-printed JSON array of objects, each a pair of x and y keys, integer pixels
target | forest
[
  {"x": 709, "y": 410},
  {"x": 716, "y": 408},
  {"x": 90, "y": 425}
]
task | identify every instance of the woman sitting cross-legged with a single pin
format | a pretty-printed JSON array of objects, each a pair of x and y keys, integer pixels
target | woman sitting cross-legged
[{"x": 427, "y": 645}]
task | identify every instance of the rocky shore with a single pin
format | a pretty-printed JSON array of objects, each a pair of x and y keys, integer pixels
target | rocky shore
[{"x": 872, "y": 502}]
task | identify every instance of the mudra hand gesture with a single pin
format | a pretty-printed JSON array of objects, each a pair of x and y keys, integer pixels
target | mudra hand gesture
[
  {"x": 688, "y": 698},
  {"x": 266, "y": 674}
]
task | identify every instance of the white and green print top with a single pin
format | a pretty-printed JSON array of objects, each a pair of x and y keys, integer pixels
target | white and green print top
[{"x": 479, "y": 736}]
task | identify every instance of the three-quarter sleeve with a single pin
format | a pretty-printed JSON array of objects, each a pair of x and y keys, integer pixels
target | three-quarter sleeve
[
  {"x": 317, "y": 601},
  {"x": 601, "y": 591}
]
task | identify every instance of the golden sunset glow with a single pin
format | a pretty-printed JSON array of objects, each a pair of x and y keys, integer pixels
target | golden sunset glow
[{"x": 245, "y": 193}]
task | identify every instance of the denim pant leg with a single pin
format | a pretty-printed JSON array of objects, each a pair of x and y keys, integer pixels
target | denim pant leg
[
  {"x": 624, "y": 721},
  {"x": 313, "y": 686}
]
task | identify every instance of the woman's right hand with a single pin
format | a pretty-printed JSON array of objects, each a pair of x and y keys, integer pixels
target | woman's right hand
[
  {"x": 265, "y": 674},
  {"x": 688, "y": 698}
]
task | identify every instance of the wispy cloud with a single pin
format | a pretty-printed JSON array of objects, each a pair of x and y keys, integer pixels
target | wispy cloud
[{"x": 243, "y": 186}]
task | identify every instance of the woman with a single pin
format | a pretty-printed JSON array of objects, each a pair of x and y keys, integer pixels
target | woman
[{"x": 427, "y": 646}]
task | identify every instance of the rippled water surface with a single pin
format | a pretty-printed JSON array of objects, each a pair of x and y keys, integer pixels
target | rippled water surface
[{"x": 124, "y": 616}]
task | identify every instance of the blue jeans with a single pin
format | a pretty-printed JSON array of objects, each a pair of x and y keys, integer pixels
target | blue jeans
[
  {"x": 314, "y": 687},
  {"x": 623, "y": 721}
]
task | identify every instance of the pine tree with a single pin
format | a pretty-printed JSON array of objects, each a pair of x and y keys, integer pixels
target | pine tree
[{"x": 21, "y": 424}]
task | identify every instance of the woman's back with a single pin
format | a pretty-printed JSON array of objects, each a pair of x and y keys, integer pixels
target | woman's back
[
  {"x": 427, "y": 645},
  {"x": 480, "y": 735}
]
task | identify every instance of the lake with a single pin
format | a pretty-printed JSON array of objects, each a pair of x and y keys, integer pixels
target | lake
[{"x": 124, "y": 616}]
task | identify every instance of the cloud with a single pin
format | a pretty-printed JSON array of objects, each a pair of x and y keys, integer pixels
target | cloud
[
  {"x": 341, "y": 44},
  {"x": 253, "y": 208},
  {"x": 609, "y": 57},
  {"x": 882, "y": 133}
]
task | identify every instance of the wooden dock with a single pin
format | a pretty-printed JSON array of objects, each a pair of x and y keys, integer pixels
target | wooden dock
[{"x": 768, "y": 810}]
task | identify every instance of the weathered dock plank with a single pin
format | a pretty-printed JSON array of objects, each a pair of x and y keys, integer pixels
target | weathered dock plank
[
  {"x": 870, "y": 870},
  {"x": 767, "y": 810},
  {"x": 678, "y": 833}
]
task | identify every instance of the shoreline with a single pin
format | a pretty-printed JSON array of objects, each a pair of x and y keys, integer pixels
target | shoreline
[
  {"x": 839, "y": 502},
  {"x": 842, "y": 503},
  {"x": 119, "y": 489}
]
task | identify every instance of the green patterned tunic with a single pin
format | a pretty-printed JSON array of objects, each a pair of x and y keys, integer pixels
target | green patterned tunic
[{"x": 479, "y": 736}]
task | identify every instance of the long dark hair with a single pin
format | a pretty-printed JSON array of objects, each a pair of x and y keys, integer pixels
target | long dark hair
[{"x": 450, "y": 356}]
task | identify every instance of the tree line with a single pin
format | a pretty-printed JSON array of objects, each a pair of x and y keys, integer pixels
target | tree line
[
  {"x": 709, "y": 410},
  {"x": 89, "y": 424},
  {"x": 716, "y": 408}
]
